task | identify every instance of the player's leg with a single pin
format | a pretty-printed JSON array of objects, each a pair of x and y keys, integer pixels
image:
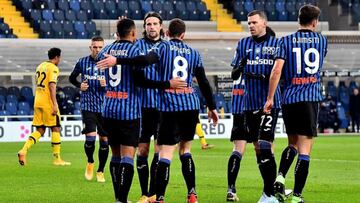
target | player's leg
[
  {"x": 154, "y": 164},
  {"x": 89, "y": 123},
  {"x": 33, "y": 138},
  {"x": 200, "y": 133},
  {"x": 167, "y": 141},
  {"x": 103, "y": 152},
  {"x": 129, "y": 142},
  {"x": 267, "y": 164},
  {"x": 56, "y": 147},
  {"x": 239, "y": 138}
]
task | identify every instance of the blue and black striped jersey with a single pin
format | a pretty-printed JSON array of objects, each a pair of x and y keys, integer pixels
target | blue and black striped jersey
[
  {"x": 149, "y": 96},
  {"x": 237, "y": 98},
  {"x": 177, "y": 59},
  {"x": 304, "y": 53},
  {"x": 260, "y": 59},
  {"x": 91, "y": 99},
  {"x": 122, "y": 97}
]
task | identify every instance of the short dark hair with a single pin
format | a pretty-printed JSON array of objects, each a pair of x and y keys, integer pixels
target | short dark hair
[
  {"x": 156, "y": 15},
  {"x": 176, "y": 27},
  {"x": 262, "y": 14},
  {"x": 97, "y": 39},
  {"x": 54, "y": 52},
  {"x": 308, "y": 13},
  {"x": 270, "y": 31},
  {"x": 125, "y": 26}
]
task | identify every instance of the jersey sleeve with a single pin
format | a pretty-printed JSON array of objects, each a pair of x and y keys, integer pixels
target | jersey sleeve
[
  {"x": 100, "y": 56},
  {"x": 53, "y": 74},
  {"x": 237, "y": 56},
  {"x": 281, "y": 50}
]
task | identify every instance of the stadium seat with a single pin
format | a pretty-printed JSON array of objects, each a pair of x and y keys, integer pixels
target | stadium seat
[
  {"x": 157, "y": 6},
  {"x": 45, "y": 30},
  {"x": 59, "y": 15},
  {"x": 2, "y": 102},
  {"x": 122, "y": 5},
  {"x": 3, "y": 91},
  {"x": 26, "y": 4},
  {"x": 249, "y": 6},
  {"x": 74, "y": 5},
  {"x": 23, "y": 113},
  {"x": 260, "y": 5},
  {"x": 193, "y": 15},
  {"x": 69, "y": 31},
  {"x": 27, "y": 93},
  {"x": 90, "y": 27},
  {"x": 14, "y": 91},
  {"x": 24, "y": 106},
  {"x": 12, "y": 98},
  {"x": 282, "y": 16},
  {"x": 344, "y": 121},
  {"x": 57, "y": 29},
  {"x": 47, "y": 15},
  {"x": 110, "y": 8},
  {"x": 280, "y": 6},
  {"x": 50, "y": 4},
  {"x": 79, "y": 27},
  {"x": 70, "y": 15},
  {"x": 168, "y": 15},
  {"x": 331, "y": 89},
  {"x": 69, "y": 91},
  {"x": 11, "y": 108},
  {"x": 146, "y": 6},
  {"x": 136, "y": 15},
  {"x": 100, "y": 14},
  {"x": 85, "y": 5},
  {"x": 168, "y": 6},
  {"x": 3, "y": 113}
]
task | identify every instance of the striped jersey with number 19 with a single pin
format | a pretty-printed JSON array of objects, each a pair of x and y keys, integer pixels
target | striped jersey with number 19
[
  {"x": 91, "y": 99},
  {"x": 177, "y": 59},
  {"x": 148, "y": 96},
  {"x": 304, "y": 53},
  {"x": 122, "y": 98}
]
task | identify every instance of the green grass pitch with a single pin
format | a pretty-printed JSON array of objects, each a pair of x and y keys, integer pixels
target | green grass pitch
[{"x": 334, "y": 174}]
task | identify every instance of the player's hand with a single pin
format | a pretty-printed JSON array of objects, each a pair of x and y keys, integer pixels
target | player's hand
[
  {"x": 84, "y": 86},
  {"x": 102, "y": 82},
  {"x": 108, "y": 62},
  {"x": 55, "y": 109},
  {"x": 268, "y": 106},
  {"x": 177, "y": 83},
  {"x": 213, "y": 115}
]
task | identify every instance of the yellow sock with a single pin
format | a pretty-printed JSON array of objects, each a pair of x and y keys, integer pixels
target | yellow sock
[
  {"x": 33, "y": 138},
  {"x": 201, "y": 134},
  {"x": 55, "y": 143}
]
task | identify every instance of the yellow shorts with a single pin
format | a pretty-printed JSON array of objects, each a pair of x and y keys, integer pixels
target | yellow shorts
[{"x": 44, "y": 117}]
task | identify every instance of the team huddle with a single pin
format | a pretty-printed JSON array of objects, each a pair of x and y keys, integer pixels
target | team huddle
[{"x": 134, "y": 89}]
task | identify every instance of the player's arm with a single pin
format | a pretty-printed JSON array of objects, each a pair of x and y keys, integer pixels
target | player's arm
[
  {"x": 273, "y": 83},
  {"x": 52, "y": 87},
  {"x": 206, "y": 91},
  {"x": 138, "y": 61},
  {"x": 142, "y": 81},
  {"x": 74, "y": 74},
  {"x": 238, "y": 69}
]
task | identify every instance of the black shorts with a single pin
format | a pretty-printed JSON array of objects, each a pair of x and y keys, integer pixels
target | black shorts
[
  {"x": 239, "y": 130},
  {"x": 261, "y": 126},
  {"x": 122, "y": 132},
  {"x": 92, "y": 122},
  {"x": 149, "y": 124},
  {"x": 177, "y": 126},
  {"x": 301, "y": 118}
]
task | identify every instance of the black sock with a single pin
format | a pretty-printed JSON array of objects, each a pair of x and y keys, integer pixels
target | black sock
[
  {"x": 126, "y": 176},
  {"x": 143, "y": 172},
  {"x": 89, "y": 147},
  {"x": 153, "y": 167},
  {"x": 287, "y": 158},
  {"x": 162, "y": 178},
  {"x": 188, "y": 171},
  {"x": 267, "y": 167},
  {"x": 233, "y": 170},
  {"x": 103, "y": 154},
  {"x": 115, "y": 174},
  {"x": 301, "y": 173}
]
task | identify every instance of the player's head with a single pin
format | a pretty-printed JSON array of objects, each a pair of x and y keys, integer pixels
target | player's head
[
  {"x": 309, "y": 16},
  {"x": 270, "y": 31},
  {"x": 153, "y": 26},
  {"x": 97, "y": 43},
  {"x": 54, "y": 55},
  {"x": 176, "y": 29},
  {"x": 257, "y": 22},
  {"x": 126, "y": 29},
  {"x": 355, "y": 91}
]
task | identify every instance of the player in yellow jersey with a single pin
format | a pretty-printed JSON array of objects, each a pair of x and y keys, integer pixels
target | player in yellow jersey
[
  {"x": 200, "y": 133},
  {"x": 46, "y": 110}
]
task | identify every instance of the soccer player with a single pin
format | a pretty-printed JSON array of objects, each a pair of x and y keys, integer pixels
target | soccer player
[
  {"x": 300, "y": 60},
  {"x": 201, "y": 134},
  {"x": 256, "y": 54},
  {"x": 153, "y": 34},
  {"x": 179, "y": 108},
  {"x": 92, "y": 87},
  {"x": 122, "y": 107},
  {"x": 46, "y": 109}
]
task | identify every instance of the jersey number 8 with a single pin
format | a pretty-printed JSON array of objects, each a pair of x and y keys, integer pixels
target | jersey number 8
[{"x": 180, "y": 68}]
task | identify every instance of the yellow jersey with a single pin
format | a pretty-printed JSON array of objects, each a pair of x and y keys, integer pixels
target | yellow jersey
[{"x": 46, "y": 73}]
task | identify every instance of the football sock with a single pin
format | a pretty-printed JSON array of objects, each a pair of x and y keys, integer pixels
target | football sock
[
  {"x": 126, "y": 176},
  {"x": 188, "y": 171},
  {"x": 200, "y": 133},
  {"x": 115, "y": 174},
  {"x": 56, "y": 143},
  {"x": 89, "y": 147},
  {"x": 103, "y": 154},
  {"x": 267, "y": 167},
  {"x": 143, "y": 172},
  {"x": 153, "y": 167},
  {"x": 287, "y": 157},
  {"x": 33, "y": 138},
  {"x": 162, "y": 178},
  {"x": 233, "y": 170},
  {"x": 301, "y": 173}
]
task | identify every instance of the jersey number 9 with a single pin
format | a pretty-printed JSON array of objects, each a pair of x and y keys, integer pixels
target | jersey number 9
[{"x": 312, "y": 67}]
